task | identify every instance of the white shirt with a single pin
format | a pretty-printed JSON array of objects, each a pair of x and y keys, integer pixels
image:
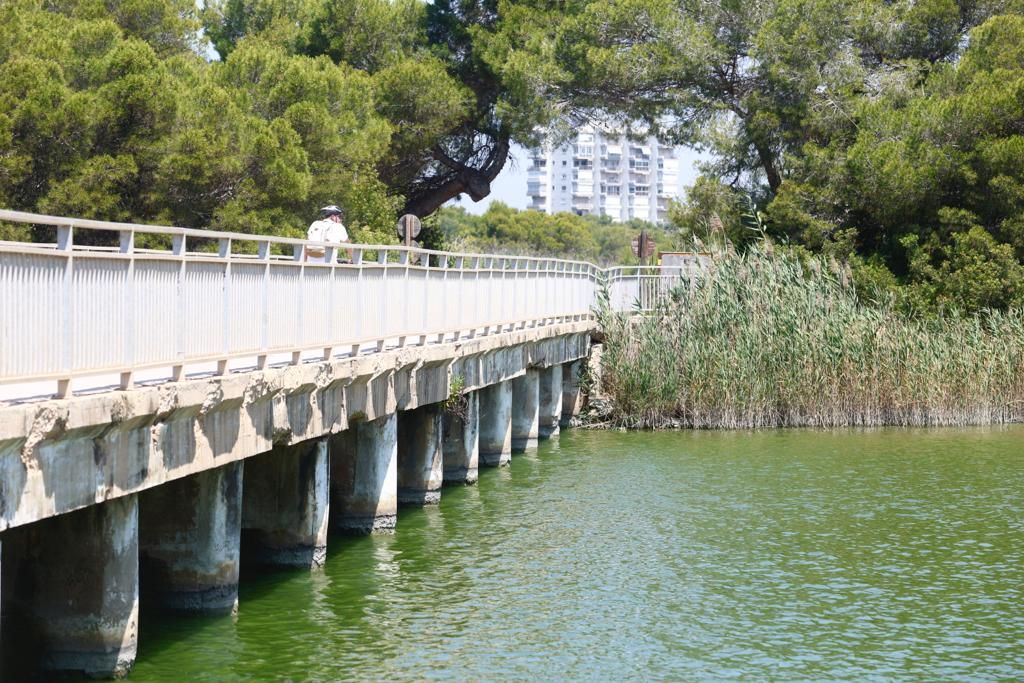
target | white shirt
[{"x": 326, "y": 230}]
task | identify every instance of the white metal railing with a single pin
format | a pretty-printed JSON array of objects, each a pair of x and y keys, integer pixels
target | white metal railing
[
  {"x": 638, "y": 288},
  {"x": 199, "y": 301},
  {"x": 71, "y": 310}
]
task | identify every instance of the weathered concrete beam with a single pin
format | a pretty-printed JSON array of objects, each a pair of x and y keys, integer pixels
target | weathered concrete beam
[
  {"x": 189, "y": 536},
  {"x": 556, "y": 350},
  {"x": 496, "y": 424},
  {"x": 370, "y": 397},
  {"x": 550, "y": 404},
  {"x": 525, "y": 402},
  {"x": 423, "y": 384},
  {"x": 494, "y": 367},
  {"x": 364, "y": 477},
  {"x": 62, "y": 455},
  {"x": 286, "y": 506},
  {"x": 420, "y": 451},
  {"x": 462, "y": 442},
  {"x": 75, "y": 590}
]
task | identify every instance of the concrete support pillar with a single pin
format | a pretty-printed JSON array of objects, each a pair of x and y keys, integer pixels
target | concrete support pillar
[
  {"x": 77, "y": 590},
  {"x": 285, "y": 509},
  {"x": 550, "y": 408},
  {"x": 496, "y": 424},
  {"x": 189, "y": 541},
  {"x": 364, "y": 477},
  {"x": 525, "y": 400},
  {"x": 572, "y": 397},
  {"x": 420, "y": 451},
  {"x": 462, "y": 442}
]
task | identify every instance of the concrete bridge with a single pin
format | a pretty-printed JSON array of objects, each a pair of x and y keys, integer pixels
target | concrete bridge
[{"x": 176, "y": 402}]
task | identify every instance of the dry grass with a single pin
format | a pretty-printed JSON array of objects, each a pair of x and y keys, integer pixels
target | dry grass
[{"x": 765, "y": 341}]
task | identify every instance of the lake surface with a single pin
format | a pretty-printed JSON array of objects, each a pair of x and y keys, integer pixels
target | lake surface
[{"x": 777, "y": 555}]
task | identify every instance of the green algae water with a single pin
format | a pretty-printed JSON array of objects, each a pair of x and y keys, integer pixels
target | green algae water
[{"x": 779, "y": 555}]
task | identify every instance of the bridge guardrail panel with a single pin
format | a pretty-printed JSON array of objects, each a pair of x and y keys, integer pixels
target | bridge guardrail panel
[
  {"x": 32, "y": 309},
  {"x": 246, "y": 305},
  {"x": 67, "y": 310}
]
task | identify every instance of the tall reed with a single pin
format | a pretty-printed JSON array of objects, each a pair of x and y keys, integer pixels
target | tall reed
[{"x": 766, "y": 340}]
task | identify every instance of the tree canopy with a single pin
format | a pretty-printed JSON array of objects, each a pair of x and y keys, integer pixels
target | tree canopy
[
  {"x": 106, "y": 115},
  {"x": 502, "y": 229},
  {"x": 884, "y": 132}
]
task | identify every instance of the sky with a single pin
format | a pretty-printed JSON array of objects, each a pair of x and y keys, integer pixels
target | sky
[{"x": 510, "y": 185}]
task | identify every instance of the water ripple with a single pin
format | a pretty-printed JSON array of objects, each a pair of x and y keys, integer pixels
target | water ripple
[{"x": 789, "y": 555}]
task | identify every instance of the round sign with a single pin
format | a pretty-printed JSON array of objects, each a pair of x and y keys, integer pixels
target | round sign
[{"x": 409, "y": 224}]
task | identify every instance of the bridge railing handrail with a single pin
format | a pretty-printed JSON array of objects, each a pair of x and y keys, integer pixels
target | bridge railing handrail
[
  {"x": 214, "y": 235},
  {"x": 70, "y": 310}
]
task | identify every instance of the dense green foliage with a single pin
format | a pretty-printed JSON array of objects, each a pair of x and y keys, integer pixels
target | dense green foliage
[
  {"x": 113, "y": 109},
  {"x": 886, "y": 132},
  {"x": 767, "y": 339},
  {"x": 452, "y": 113},
  {"x": 502, "y": 229},
  {"x": 107, "y": 111}
]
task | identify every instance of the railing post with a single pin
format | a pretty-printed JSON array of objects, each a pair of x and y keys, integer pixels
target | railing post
[
  {"x": 460, "y": 264},
  {"x": 126, "y": 239},
  {"x": 514, "y": 263},
  {"x": 300, "y": 306},
  {"x": 382, "y": 302},
  {"x": 463, "y": 294},
  {"x": 448, "y": 323},
  {"x": 357, "y": 260},
  {"x": 65, "y": 244},
  {"x": 424, "y": 296},
  {"x": 224, "y": 252},
  {"x": 263, "y": 252},
  {"x": 179, "y": 244},
  {"x": 403, "y": 259}
]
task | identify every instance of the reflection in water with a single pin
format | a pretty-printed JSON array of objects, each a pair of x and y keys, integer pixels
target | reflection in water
[
  {"x": 781, "y": 555},
  {"x": 320, "y": 587}
]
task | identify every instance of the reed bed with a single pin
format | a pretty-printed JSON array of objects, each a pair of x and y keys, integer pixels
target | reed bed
[{"x": 764, "y": 340}]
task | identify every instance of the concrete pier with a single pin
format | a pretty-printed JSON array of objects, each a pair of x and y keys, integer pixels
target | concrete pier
[
  {"x": 420, "y": 451},
  {"x": 462, "y": 442},
  {"x": 525, "y": 399},
  {"x": 189, "y": 541},
  {"x": 572, "y": 396},
  {"x": 75, "y": 590},
  {"x": 286, "y": 506},
  {"x": 549, "y": 411},
  {"x": 496, "y": 424},
  {"x": 364, "y": 477}
]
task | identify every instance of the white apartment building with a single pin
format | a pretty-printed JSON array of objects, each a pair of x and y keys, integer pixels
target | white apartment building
[{"x": 606, "y": 175}]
